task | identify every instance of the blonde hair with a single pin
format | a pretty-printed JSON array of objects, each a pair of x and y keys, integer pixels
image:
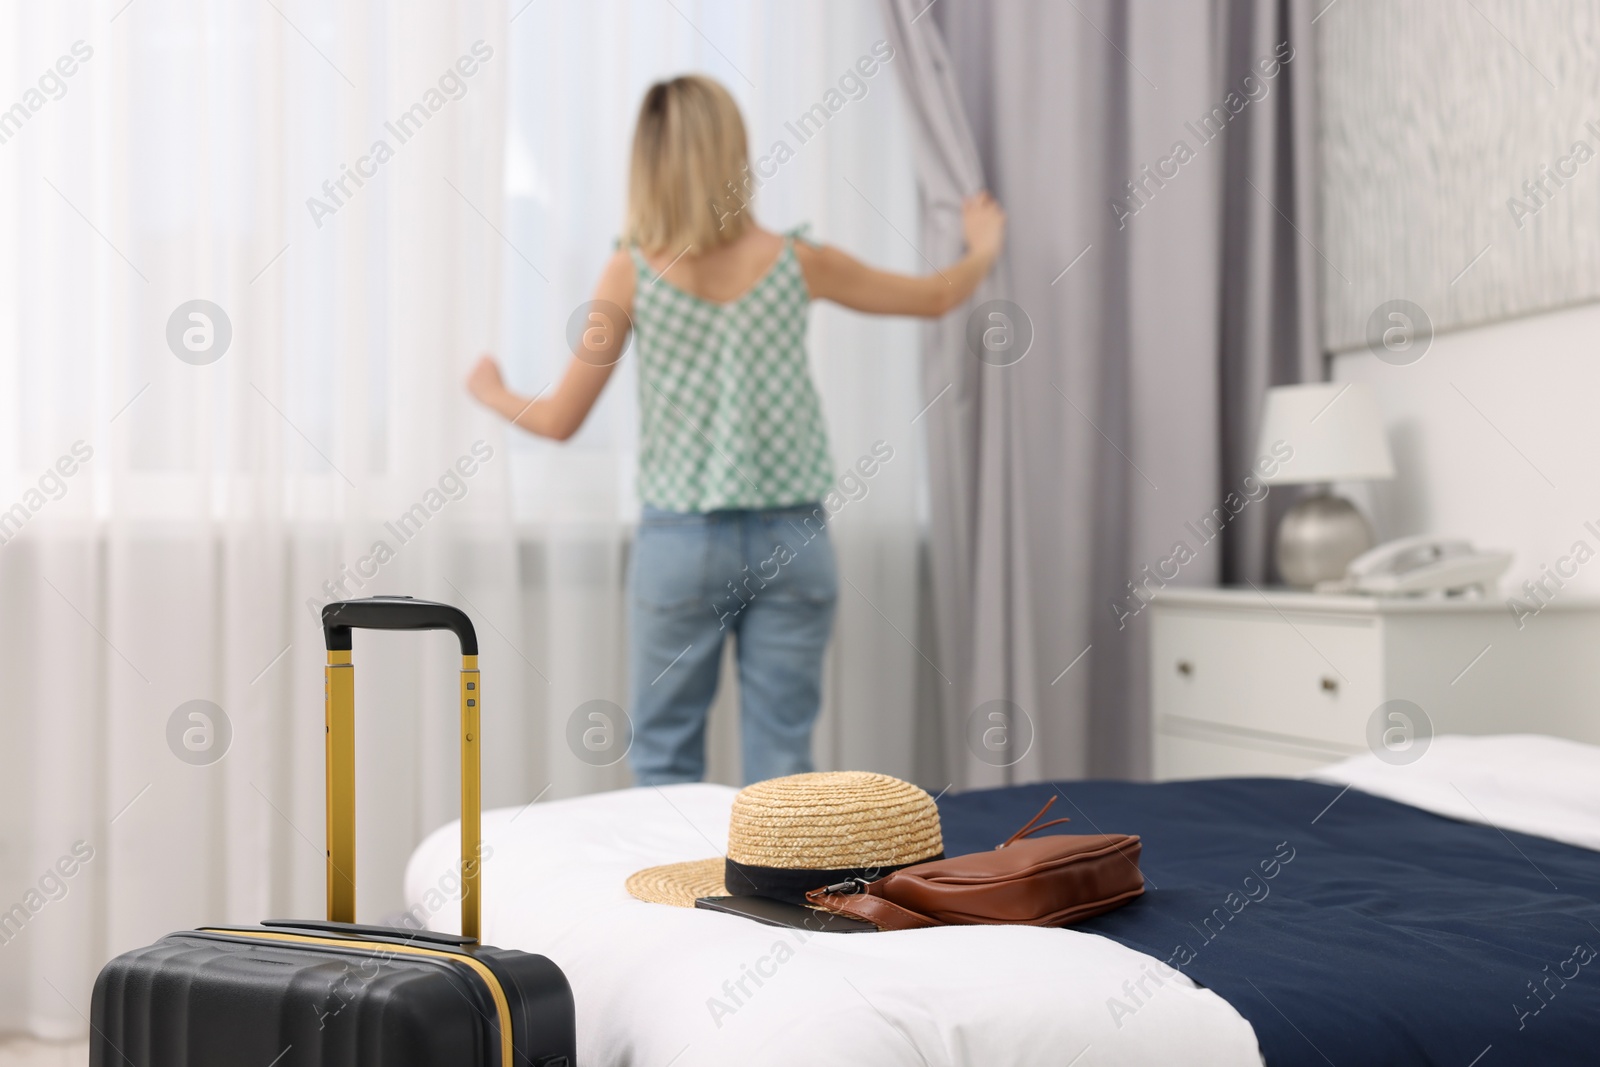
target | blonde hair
[{"x": 689, "y": 183}]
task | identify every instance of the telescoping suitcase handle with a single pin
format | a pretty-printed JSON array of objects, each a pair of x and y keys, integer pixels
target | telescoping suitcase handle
[{"x": 393, "y": 613}]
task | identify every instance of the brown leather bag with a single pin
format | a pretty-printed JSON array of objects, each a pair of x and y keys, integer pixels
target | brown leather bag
[{"x": 1048, "y": 881}]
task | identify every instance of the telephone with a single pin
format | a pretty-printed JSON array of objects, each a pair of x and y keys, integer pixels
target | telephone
[{"x": 1424, "y": 564}]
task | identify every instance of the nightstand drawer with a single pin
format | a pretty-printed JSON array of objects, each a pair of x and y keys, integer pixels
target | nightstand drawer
[
  {"x": 1289, "y": 675},
  {"x": 1226, "y": 756}
]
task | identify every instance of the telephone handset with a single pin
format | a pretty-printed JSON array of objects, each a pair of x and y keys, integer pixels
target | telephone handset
[{"x": 1422, "y": 564}]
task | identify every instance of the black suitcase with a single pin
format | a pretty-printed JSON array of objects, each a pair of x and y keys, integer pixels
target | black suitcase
[{"x": 335, "y": 994}]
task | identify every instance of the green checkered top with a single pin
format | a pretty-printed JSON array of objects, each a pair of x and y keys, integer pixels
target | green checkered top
[{"x": 729, "y": 416}]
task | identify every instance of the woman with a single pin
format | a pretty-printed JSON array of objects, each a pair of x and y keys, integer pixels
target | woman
[{"x": 733, "y": 453}]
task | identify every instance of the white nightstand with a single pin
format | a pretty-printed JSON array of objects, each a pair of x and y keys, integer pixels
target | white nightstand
[{"x": 1278, "y": 683}]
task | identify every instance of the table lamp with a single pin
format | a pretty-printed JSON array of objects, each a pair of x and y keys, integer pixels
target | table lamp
[{"x": 1336, "y": 435}]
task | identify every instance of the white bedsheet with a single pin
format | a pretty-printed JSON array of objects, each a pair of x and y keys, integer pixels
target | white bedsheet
[
  {"x": 1527, "y": 782},
  {"x": 656, "y": 985}
]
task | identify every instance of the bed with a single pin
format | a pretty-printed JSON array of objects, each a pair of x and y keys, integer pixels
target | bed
[{"x": 1446, "y": 912}]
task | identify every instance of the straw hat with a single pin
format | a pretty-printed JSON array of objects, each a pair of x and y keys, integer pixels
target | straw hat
[{"x": 789, "y": 835}]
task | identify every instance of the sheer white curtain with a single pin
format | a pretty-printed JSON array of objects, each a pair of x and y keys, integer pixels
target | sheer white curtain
[
  {"x": 224, "y": 486},
  {"x": 172, "y": 517}
]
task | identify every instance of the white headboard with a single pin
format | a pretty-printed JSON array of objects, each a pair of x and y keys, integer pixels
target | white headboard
[{"x": 1496, "y": 436}]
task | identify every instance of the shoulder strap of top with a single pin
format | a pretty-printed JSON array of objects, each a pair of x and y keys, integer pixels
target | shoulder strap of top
[{"x": 801, "y": 232}]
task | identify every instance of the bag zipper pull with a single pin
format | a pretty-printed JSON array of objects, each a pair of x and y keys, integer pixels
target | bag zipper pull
[
  {"x": 1033, "y": 826},
  {"x": 848, "y": 886}
]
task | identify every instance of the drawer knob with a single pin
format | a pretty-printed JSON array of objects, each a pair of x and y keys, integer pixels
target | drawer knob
[
  {"x": 1185, "y": 668},
  {"x": 1329, "y": 685}
]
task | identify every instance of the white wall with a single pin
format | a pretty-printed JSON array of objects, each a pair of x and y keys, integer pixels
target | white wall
[{"x": 1496, "y": 435}]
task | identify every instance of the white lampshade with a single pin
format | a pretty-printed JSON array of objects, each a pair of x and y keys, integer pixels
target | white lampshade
[{"x": 1334, "y": 430}]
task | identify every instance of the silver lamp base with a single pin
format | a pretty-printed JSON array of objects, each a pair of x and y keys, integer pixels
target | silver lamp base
[{"x": 1318, "y": 538}]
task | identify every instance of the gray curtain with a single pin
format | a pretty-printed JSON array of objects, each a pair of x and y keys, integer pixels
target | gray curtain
[
  {"x": 1063, "y": 484},
  {"x": 1271, "y": 323}
]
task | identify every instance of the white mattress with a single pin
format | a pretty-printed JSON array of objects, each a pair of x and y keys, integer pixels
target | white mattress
[{"x": 660, "y": 987}]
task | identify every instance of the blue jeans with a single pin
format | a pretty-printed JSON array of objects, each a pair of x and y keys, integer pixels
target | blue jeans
[{"x": 767, "y": 578}]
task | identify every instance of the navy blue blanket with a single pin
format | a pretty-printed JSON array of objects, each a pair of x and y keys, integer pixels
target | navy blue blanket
[{"x": 1359, "y": 934}]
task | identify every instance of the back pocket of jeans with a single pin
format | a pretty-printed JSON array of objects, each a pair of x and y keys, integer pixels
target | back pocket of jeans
[
  {"x": 797, "y": 563},
  {"x": 670, "y": 560}
]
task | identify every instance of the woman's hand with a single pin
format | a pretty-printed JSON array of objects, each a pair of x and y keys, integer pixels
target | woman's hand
[
  {"x": 984, "y": 225},
  {"x": 485, "y": 382}
]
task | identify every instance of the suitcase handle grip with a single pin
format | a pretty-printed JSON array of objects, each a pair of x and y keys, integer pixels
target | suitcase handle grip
[{"x": 394, "y": 613}]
